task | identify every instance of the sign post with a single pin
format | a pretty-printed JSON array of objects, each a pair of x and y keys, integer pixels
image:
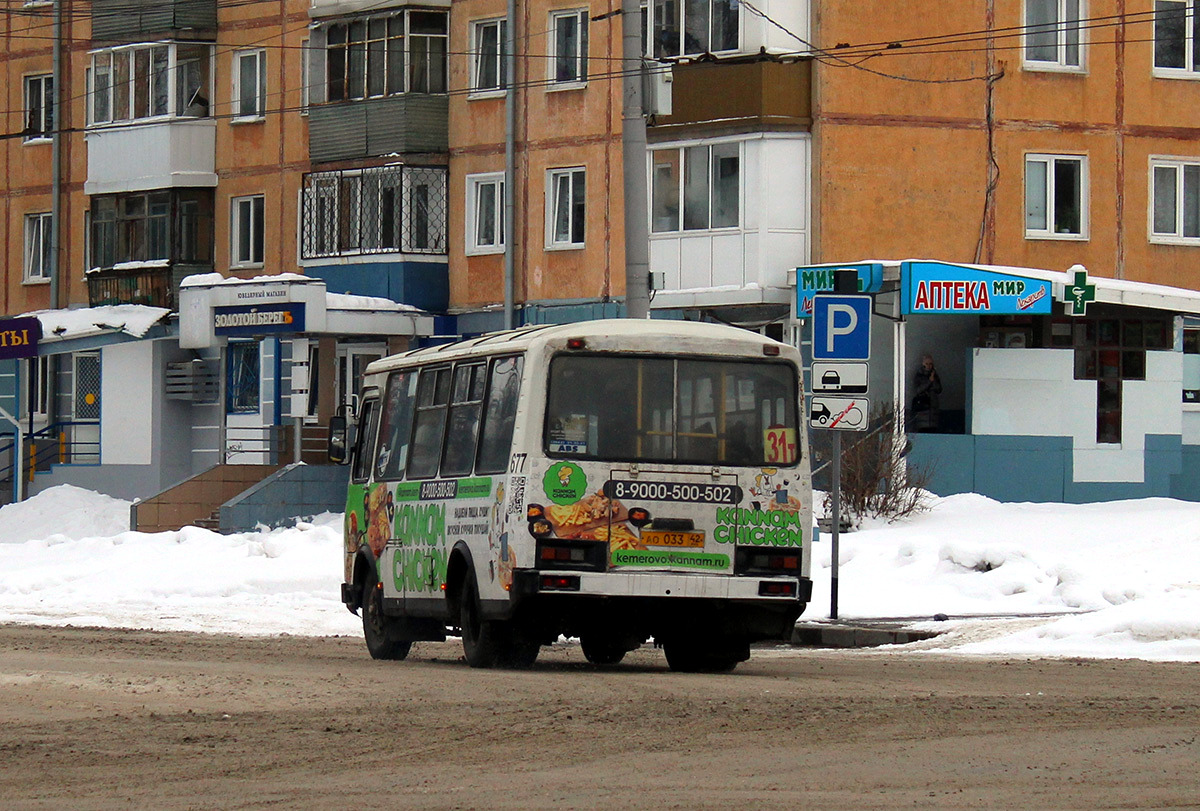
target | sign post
[{"x": 841, "y": 332}]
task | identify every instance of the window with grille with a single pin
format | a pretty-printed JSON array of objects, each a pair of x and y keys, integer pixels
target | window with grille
[
  {"x": 242, "y": 377},
  {"x": 388, "y": 209},
  {"x": 87, "y": 386}
]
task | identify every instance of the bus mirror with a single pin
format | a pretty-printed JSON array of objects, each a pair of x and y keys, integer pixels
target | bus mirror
[{"x": 339, "y": 440}]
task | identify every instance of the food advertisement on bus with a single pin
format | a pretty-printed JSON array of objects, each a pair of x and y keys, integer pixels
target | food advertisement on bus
[{"x": 621, "y": 509}]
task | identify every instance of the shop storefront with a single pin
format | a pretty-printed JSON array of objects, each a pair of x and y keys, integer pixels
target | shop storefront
[{"x": 1053, "y": 386}]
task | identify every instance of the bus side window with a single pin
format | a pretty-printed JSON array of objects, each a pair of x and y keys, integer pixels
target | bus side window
[
  {"x": 365, "y": 441},
  {"x": 433, "y": 396},
  {"x": 465, "y": 407},
  {"x": 500, "y": 414},
  {"x": 395, "y": 426}
]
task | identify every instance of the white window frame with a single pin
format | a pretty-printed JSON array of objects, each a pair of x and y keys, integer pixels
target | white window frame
[
  {"x": 501, "y": 86},
  {"x": 1179, "y": 165},
  {"x": 42, "y": 132},
  {"x": 681, "y": 215},
  {"x": 1190, "y": 54},
  {"x": 573, "y": 241},
  {"x": 40, "y": 391},
  {"x": 1063, "y": 23},
  {"x": 255, "y": 61},
  {"x": 682, "y": 51},
  {"x": 202, "y": 96},
  {"x": 256, "y": 238},
  {"x": 474, "y": 185},
  {"x": 1048, "y": 196},
  {"x": 37, "y": 246},
  {"x": 306, "y": 58},
  {"x": 579, "y": 58}
]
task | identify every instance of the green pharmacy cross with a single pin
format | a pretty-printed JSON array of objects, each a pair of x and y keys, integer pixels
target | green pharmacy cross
[{"x": 1080, "y": 293}]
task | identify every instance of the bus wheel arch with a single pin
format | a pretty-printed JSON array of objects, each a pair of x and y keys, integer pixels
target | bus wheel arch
[
  {"x": 457, "y": 567},
  {"x": 364, "y": 565}
]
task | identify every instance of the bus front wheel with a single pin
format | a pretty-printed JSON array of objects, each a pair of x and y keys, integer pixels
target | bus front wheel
[{"x": 379, "y": 630}]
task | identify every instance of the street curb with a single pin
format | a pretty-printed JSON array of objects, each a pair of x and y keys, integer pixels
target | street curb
[{"x": 824, "y": 635}]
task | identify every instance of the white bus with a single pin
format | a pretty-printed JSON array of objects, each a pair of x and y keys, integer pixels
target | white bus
[{"x": 610, "y": 480}]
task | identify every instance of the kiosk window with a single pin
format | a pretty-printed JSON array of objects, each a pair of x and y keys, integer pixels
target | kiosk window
[
  {"x": 1110, "y": 351},
  {"x": 1191, "y": 365}
]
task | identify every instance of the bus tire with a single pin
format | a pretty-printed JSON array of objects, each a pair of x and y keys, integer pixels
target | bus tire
[
  {"x": 600, "y": 650},
  {"x": 520, "y": 654},
  {"x": 482, "y": 643},
  {"x": 693, "y": 656},
  {"x": 381, "y": 632}
]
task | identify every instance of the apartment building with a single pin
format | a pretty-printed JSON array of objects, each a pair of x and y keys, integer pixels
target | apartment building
[{"x": 184, "y": 151}]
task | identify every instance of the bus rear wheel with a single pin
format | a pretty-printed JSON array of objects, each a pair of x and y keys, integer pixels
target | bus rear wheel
[
  {"x": 381, "y": 632},
  {"x": 696, "y": 656}
]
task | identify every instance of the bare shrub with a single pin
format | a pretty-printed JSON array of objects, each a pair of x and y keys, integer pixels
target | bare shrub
[{"x": 877, "y": 479}]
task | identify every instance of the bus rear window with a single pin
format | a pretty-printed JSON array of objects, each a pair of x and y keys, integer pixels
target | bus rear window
[{"x": 688, "y": 411}]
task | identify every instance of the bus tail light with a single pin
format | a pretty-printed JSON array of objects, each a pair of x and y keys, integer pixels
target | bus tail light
[
  {"x": 766, "y": 561},
  {"x": 559, "y": 582},
  {"x": 576, "y": 343},
  {"x": 553, "y": 553},
  {"x": 777, "y": 588}
]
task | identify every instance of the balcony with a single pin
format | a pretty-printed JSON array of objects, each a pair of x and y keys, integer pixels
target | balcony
[
  {"x": 154, "y": 286},
  {"x": 178, "y": 152},
  {"x": 350, "y": 130},
  {"x": 737, "y": 96},
  {"x": 136, "y": 20}
]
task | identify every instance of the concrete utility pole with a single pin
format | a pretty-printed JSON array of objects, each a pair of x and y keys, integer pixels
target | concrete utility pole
[{"x": 633, "y": 144}]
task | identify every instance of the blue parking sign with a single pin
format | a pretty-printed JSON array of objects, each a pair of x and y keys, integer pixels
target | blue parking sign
[{"x": 841, "y": 327}]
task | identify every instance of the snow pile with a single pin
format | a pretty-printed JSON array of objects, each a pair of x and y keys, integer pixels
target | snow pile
[
  {"x": 63, "y": 513},
  {"x": 1132, "y": 566},
  {"x": 67, "y": 558},
  {"x": 1120, "y": 579}
]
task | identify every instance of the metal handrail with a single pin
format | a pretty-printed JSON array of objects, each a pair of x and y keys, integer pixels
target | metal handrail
[{"x": 66, "y": 448}]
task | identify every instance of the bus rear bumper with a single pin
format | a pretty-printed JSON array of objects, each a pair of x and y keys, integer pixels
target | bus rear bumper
[{"x": 661, "y": 603}]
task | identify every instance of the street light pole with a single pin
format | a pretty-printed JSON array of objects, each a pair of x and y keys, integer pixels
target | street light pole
[{"x": 633, "y": 147}]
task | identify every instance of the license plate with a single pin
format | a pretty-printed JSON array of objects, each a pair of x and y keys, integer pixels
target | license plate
[{"x": 658, "y": 537}]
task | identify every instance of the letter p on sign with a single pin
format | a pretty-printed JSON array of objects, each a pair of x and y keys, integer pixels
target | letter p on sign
[{"x": 842, "y": 327}]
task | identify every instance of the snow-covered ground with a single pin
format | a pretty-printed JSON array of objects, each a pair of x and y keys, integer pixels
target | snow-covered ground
[{"x": 1120, "y": 579}]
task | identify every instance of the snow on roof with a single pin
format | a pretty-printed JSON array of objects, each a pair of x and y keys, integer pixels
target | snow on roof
[
  {"x": 346, "y": 301},
  {"x": 131, "y": 319},
  {"x": 210, "y": 279}
]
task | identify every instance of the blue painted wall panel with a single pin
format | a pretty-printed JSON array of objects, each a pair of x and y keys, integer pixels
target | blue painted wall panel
[
  {"x": 1021, "y": 468},
  {"x": 420, "y": 284},
  {"x": 1186, "y": 483},
  {"x": 948, "y": 460}
]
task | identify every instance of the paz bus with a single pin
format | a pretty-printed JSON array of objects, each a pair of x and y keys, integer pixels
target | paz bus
[{"x": 614, "y": 481}]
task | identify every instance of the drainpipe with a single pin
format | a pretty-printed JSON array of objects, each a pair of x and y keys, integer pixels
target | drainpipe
[
  {"x": 510, "y": 163},
  {"x": 633, "y": 148},
  {"x": 56, "y": 161}
]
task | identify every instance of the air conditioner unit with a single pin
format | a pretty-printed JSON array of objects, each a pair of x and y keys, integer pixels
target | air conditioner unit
[{"x": 659, "y": 79}]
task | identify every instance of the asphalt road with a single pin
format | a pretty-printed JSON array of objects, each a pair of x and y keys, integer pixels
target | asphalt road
[{"x": 95, "y": 718}]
